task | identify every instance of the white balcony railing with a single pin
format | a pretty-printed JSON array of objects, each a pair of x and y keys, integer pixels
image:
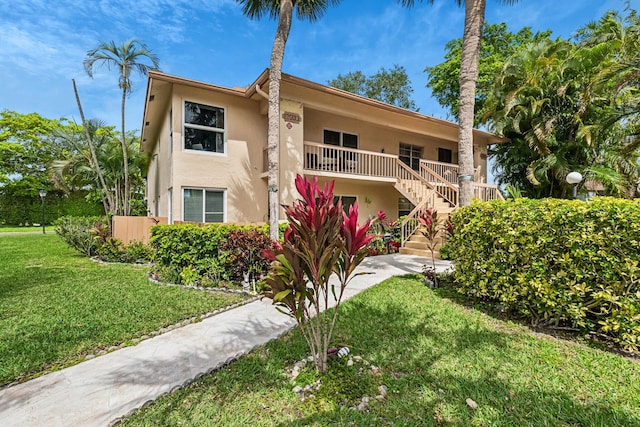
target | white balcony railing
[
  {"x": 448, "y": 171},
  {"x": 442, "y": 177},
  {"x": 329, "y": 158}
]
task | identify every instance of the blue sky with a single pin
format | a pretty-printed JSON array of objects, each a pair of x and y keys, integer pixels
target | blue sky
[{"x": 43, "y": 44}]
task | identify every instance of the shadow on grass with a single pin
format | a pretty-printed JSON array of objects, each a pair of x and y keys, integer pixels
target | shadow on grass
[{"x": 431, "y": 355}]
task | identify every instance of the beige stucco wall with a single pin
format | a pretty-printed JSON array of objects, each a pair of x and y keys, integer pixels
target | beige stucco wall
[
  {"x": 160, "y": 172},
  {"x": 382, "y": 196},
  {"x": 291, "y": 151},
  {"x": 371, "y": 137},
  {"x": 376, "y": 138},
  {"x": 237, "y": 171}
]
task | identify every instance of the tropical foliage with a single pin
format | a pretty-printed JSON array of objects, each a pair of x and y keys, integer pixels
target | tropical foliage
[
  {"x": 28, "y": 145},
  {"x": 131, "y": 56},
  {"x": 570, "y": 106},
  {"x": 497, "y": 45},
  {"x": 321, "y": 241},
  {"x": 78, "y": 170}
]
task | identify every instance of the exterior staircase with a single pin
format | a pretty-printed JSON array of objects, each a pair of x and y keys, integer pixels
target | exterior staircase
[{"x": 425, "y": 189}]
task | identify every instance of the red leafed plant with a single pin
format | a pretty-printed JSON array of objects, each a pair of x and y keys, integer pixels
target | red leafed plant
[
  {"x": 429, "y": 228},
  {"x": 311, "y": 269}
]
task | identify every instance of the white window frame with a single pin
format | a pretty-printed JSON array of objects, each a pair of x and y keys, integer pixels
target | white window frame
[
  {"x": 205, "y": 128},
  {"x": 411, "y": 150},
  {"x": 341, "y": 132},
  {"x": 204, "y": 201}
]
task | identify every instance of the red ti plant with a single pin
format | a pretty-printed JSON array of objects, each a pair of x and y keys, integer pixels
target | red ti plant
[
  {"x": 428, "y": 219},
  {"x": 313, "y": 266}
]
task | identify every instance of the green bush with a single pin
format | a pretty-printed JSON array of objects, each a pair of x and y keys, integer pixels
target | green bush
[
  {"x": 77, "y": 232},
  {"x": 113, "y": 250},
  {"x": 555, "y": 261},
  {"x": 211, "y": 249},
  {"x": 18, "y": 208}
]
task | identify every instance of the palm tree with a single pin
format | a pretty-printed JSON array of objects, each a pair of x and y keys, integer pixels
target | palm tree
[
  {"x": 125, "y": 58},
  {"x": 107, "y": 200},
  {"x": 550, "y": 102},
  {"x": 283, "y": 11},
  {"x": 473, "y": 23},
  {"x": 79, "y": 170}
]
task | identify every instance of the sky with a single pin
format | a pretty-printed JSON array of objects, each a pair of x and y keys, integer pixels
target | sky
[{"x": 43, "y": 44}]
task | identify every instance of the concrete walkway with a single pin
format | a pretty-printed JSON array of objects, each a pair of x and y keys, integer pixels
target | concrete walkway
[{"x": 99, "y": 391}]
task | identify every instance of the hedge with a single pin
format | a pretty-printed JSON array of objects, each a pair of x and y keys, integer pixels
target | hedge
[
  {"x": 189, "y": 246},
  {"x": 555, "y": 261}
]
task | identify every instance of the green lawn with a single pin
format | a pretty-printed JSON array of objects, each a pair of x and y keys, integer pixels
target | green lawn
[
  {"x": 56, "y": 306},
  {"x": 433, "y": 354},
  {"x": 29, "y": 229}
]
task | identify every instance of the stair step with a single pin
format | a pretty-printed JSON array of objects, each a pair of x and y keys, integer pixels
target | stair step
[
  {"x": 419, "y": 252},
  {"x": 415, "y": 245}
]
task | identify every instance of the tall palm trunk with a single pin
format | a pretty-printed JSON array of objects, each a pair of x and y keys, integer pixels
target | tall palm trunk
[
  {"x": 125, "y": 160},
  {"x": 273, "y": 141},
  {"x": 106, "y": 197},
  {"x": 473, "y": 20}
]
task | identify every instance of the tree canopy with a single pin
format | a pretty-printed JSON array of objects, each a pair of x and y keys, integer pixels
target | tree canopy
[
  {"x": 27, "y": 145},
  {"x": 390, "y": 86},
  {"x": 498, "y": 44},
  {"x": 570, "y": 105}
]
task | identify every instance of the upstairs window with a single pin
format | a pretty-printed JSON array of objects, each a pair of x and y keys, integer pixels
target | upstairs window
[
  {"x": 204, "y": 128},
  {"x": 445, "y": 155},
  {"x": 410, "y": 155},
  {"x": 340, "y": 139}
]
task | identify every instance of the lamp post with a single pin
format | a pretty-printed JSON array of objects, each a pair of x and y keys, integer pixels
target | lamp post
[
  {"x": 574, "y": 179},
  {"x": 43, "y": 194},
  {"x": 387, "y": 239}
]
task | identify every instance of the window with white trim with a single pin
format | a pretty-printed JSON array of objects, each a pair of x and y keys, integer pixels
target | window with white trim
[
  {"x": 203, "y": 205},
  {"x": 204, "y": 127},
  {"x": 340, "y": 139},
  {"x": 410, "y": 155}
]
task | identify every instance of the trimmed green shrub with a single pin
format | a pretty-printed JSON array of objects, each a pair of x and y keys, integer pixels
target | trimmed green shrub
[
  {"x": 77, "y": 232},
  {"x": 216, "y": 251},
  {"x": 18, "y": 208},
  {"x": 554, "y": 261},
  {"x": 182, "y": 245}
]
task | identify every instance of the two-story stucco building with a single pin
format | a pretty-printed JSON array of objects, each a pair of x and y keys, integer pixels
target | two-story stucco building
[{"x": 208, "y": 147}]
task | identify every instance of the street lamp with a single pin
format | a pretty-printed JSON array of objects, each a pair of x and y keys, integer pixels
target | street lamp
[
  {"x": 574, "y": 179},
  {"x": 43, "y": 194}
]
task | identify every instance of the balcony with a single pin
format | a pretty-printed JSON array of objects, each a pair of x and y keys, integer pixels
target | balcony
[
  {"x": 339, "y": 162},
  {"x": 332, "y": 161}
]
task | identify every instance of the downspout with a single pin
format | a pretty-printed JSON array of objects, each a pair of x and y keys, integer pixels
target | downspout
[{"x": 261, "y": 92}]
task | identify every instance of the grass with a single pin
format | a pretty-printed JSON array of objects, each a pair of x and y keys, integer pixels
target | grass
[
  {"x": 433, "y": 354},
  {"x": 26, "y": 229},
  {"x": 56, "y": 305}
]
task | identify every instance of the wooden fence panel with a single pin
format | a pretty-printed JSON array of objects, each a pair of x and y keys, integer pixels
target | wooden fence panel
[{"x": 135, "y": 228}]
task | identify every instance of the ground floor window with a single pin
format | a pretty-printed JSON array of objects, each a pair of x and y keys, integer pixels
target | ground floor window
[
  {"x": 404, "y": 207},
  {"x": 347, "y": 201},
  {"x": 203, "y": 205}
]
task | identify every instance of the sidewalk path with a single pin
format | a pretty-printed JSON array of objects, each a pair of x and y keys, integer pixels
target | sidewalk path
[{"x": 99, "y": 391}]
